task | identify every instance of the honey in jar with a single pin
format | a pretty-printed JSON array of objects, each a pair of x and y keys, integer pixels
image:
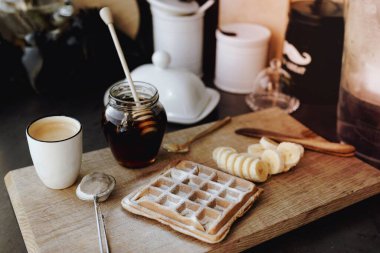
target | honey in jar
[{"x": 134, "y": 130}]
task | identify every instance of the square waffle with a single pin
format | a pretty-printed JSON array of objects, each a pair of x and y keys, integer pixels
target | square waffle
[{"x": 194, "y": 199}]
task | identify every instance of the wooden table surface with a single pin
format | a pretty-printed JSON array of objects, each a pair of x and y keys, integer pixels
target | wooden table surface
[
  {"x": 326, "y": 183},
  {"x": 353, "y": 229}
]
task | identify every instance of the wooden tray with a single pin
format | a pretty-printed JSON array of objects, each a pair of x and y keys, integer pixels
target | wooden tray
[{"x": 56, "y": 221}]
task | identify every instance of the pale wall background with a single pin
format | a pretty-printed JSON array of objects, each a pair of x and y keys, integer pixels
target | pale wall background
[
  {"x": 125, "y": 12},
  {"x": 270, "y": 13}
]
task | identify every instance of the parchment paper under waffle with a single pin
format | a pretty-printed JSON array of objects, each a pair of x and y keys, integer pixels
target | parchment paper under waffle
[{"x": 194, "y": 199}]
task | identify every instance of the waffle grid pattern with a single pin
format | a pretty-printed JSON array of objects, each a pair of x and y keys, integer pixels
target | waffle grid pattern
[{"x": 195, "y": 197}]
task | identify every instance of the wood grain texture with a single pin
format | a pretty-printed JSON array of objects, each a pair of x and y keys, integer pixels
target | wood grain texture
[{"x": 56, "y": 221}]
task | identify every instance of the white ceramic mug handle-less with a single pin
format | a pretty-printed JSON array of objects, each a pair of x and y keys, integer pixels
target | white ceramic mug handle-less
[{"x": 57, "y": 163}]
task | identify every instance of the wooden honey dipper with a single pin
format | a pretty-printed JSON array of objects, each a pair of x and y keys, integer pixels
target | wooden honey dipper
[{"x": 144, "y": 118}]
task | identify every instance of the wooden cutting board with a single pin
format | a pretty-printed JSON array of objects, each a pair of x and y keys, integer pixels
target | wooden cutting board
[{"x": 56, "y": 221}]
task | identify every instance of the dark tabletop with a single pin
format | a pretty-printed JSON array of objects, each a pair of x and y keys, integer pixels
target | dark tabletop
[{"x": 353, "y": 229}]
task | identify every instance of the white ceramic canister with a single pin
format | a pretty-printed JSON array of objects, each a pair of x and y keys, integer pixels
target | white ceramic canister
[
  {"x": 181, "y": 37},
  {"x": 241, "y": 53}
]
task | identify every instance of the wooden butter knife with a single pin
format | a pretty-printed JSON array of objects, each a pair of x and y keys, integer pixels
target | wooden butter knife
[{"x": 331, "y": 148}]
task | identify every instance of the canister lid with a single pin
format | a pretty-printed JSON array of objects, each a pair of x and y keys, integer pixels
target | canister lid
[
  {"x": 176, "y": 7},
  {"x": 243, "y": 34},
  {"x": 313, "y": 12}
]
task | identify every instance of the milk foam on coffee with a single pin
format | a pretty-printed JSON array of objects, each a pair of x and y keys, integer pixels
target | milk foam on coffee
[{"x": 55, "y": 128}]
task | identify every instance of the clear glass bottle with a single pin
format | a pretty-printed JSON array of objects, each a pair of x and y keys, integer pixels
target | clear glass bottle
[
  {"x": 359, "y": 100},
  {"x": 134, "y": 130},
  {"x": 269, "y": 90}
]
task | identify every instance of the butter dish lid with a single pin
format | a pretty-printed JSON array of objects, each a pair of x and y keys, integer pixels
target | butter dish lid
[
  {"x": 175, "y": 7},
  {"x": 183, "y": 95}
]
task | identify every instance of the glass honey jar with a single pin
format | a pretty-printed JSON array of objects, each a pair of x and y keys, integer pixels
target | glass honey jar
[{"x": 134, "y": 130}]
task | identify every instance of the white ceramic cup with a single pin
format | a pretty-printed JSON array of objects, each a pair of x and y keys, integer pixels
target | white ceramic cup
[
  {"x": 55, "y": 144},
  {"x": 181, "y": 37}
]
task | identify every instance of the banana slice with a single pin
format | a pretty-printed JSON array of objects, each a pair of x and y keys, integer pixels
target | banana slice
[
  {"x": 215, "y": 152},
  {"x": 246, "y": 167},
  {"x": 255, "y": 150},
  {"x": 218, "y": 150},
  {"x": 230, "y": 163},
  {"x": 268, "y": 143},
  {"x": 274, "y": 159},
  {"x": 291, "y": 153},
  {"x": 223, "y": 156},
  {"x": 238, "y": 165},
  {"x": 258, "y": 171}
]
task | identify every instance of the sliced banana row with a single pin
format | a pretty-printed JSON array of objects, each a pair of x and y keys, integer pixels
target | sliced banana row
[
  {"x": 262, "y": 159},
  {"x": 280, "y": 157},
  {"x": 240, "y": 164}
]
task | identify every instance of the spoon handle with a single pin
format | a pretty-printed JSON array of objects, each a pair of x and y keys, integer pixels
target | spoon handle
[
  {"x": 100, "y": 226},
  {"x": 210, "y": 129},
  {"x": 103, "y": 225},
  {"x": 205, "y": 6}
]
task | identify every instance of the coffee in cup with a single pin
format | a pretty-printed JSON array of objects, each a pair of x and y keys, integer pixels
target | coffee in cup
[{"x": 55, "y": 144}]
